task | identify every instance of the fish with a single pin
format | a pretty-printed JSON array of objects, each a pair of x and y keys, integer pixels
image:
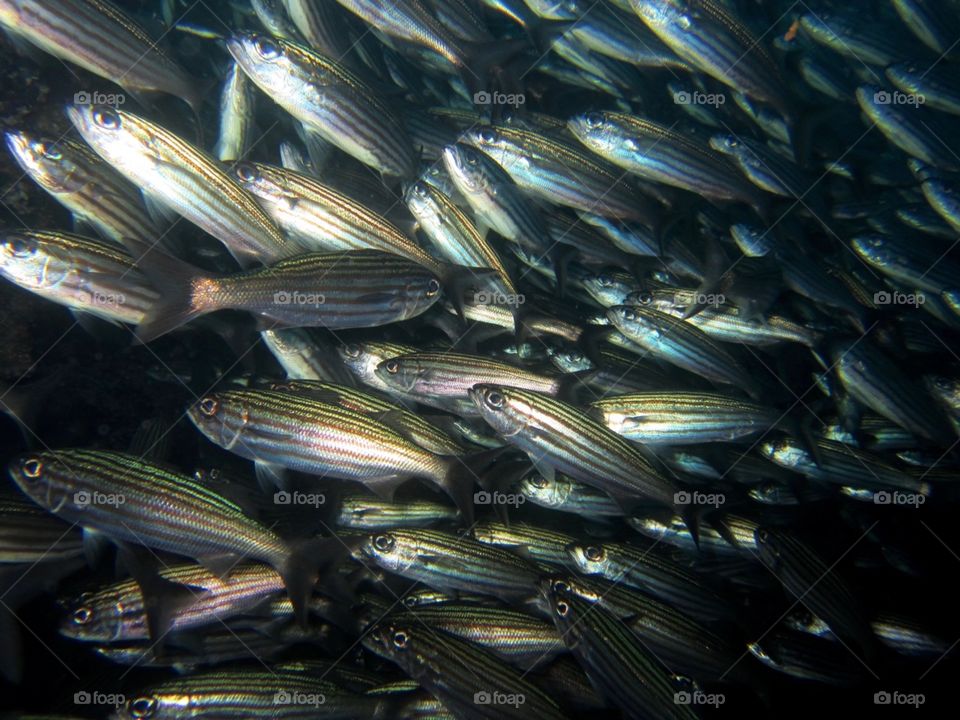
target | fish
[
  {"x": 183, "y": 178},
  {"x": 83, "y": 183},
  {"x": 333, "y": 101},
  {"x": 469, "y": 681},
  {"x": 299, "y": 433},
  {"x": 90, "y": 276},
  {"x": 348, "y": 289},
  {"x": 99, "y": 37},
  {"x": 122, "y": 497}
]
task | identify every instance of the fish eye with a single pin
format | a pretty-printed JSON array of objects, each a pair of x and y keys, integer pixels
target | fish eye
[
  {"x": 488, "y": 135},
  {"x": 392, "y": 366},
  {"x": 471, "y": 159},
  {"x": 400, "y": 639},
  {"x": 106, "y": 118},
  {"x": 267, "y": 48},
  {"x": 563, "y": 609},
  {"x": 539, "y": 482},
  {"x": 594, "y": 120},
  {"x": 50, "y": 152},
  {"x": 82, "y": 615},
  {"x": 645, "y": 297},
  {"x": 629, "y": 314},
  {"x": 384, "y": 543},
  {"x": 604, "y": 280},
  {"x": 20, "y": 246},
  {"x": 560, "y": 586},
  {"x": 593, "y": 553},
  {"x": 495, "y": 399},
  {"x": 433, "y": 287},
  {"x": 246, "y": 172},
  {"x": 351, "y": 351},
  {"x": 420, "y": 189},
  {"x": 31, "y": 468},
  {"x": 762, "y": 536},
  {"x": 143, "y": 707},
  {"x": 209, "y": 406}
]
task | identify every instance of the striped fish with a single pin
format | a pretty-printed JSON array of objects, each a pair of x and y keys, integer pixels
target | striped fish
[
  {"x": 705, "y": 34},
  {"x": 363, "y": 359},
  {"x": 677, "y": 418},
  {"x": 361, "y": 511},
  {"x": 411, "y": 425},
  {"x": 659, "y": 153},
  {"x": 653, "y": 572},
  {"x": 99, "y": 37},
  {"x": 183, "y": 178},
  {"x": 681, "y": 344},
  {"x": 617, "y": 662},
  {"x": 494, "y": 197},
  {"x": 453, "y": 233},
  {"x": 444, "y": 379},
  {"x": 561, "y": 438},
  {"x": 327, "y": 97},
  {"x": 815, "y": 583},
  {"x": 116, "y": 613},
  {"x": 559, "y": 172},
  {"x": 254, "y": 693},
  {"x": 237, "y": 104},
  {"x": 303, "y": 434},
  {"x": 451, "y": 562},
  {"x": 305, "y": 356},
  {"x": 129, "y": 500},
  {"x": 323, "y": 219},
  {"x": 84, "y": 184},
  {"x": 86, "y": 275},
  {"x": 515, "y": 637},
  {"x": 350, "y": 289},
  {"x": 468, "y": 681}
]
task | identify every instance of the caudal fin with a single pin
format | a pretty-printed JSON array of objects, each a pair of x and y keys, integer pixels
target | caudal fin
[
  {"x": 307, "y": 562},
  {"x": 174, "y": 280}
]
